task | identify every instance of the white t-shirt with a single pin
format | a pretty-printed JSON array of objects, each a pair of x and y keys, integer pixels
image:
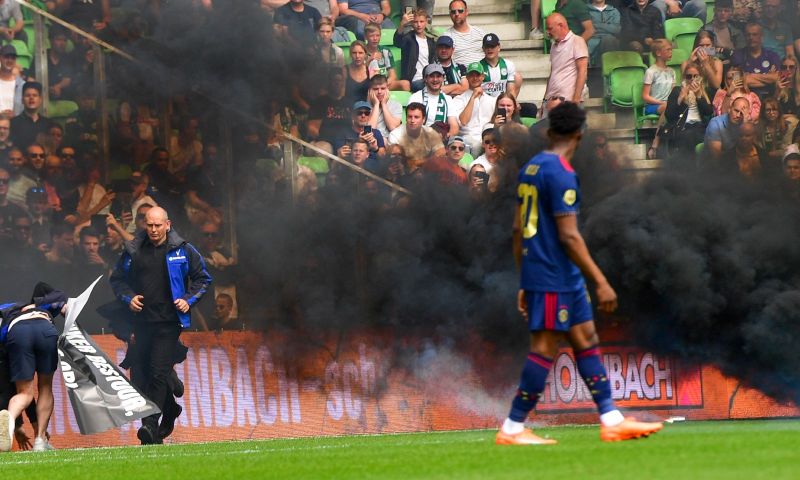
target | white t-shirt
[
  {"x": 422, "y": 59},
  {"x": 660, "y": 80},
  {"x": 438, "y": 107},
  {"x": 397, "y": 112},
  {"x": 482, "y": 110},
  {"x": 498, "y": 79},
  {"x": 467, "y": 47},
  {"x": 7, "y": 90}
]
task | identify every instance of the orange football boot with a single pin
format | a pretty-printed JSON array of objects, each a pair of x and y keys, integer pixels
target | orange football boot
[
  {"x": 525, "y": 437},
  {"x": 629, "y": 429}
]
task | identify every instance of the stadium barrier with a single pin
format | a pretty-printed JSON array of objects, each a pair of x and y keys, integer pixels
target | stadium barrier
[{"x": 246, "y": 385}]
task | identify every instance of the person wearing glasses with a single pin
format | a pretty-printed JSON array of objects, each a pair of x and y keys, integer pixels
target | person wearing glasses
[
  {"x": 467, "y": 40},
  {"x": 35, "y": 155},
  {"x": 20, "y": 178},
  {"x": 483, "y": 177},
  {"x": 446, "y": 170},
  {"x": 360, "y": 129},
  {"x": 686, "y": 117},
  {"x": 788, "y": 96}
]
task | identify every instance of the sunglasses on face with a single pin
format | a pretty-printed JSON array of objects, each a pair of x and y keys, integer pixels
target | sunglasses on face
[
  {"x": 36, "y": 155},
  {"x": 788, "y": 67},
  {"x": 210, "y": 234},
  {"x": 456, "y": 148},
  {"x": 456, "y": 11},
  {"x": 362, "y": 113},
  {"x": 691, "y": 76}
]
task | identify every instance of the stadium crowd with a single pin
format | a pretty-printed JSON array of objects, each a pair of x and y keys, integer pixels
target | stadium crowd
[{"x": 408, "y": 106}]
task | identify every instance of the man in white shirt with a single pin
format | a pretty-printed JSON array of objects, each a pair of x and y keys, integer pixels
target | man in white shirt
[
  {"x": 569, "y": 64},
  {"x": 10, "y": 83},
  {"x": 501, "y": 75},
  {"x": 466, "y": 38},
  {"x": 475, "y": 109},
  {"x": 387, "y": 114},
  {"x": 438, "y": 105}
]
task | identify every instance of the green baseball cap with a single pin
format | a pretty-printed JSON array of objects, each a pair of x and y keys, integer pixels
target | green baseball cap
[{"x": 475, "y": 67}]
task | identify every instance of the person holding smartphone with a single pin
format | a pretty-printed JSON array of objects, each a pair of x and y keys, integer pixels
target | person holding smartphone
[
  {"x": 735, "y": 86},
  {"x": 482, "y": 178},
  {"x": 506, "y": 110},
  {"x": 705, "y": 55},
  {"x": 361, "y": 130}
]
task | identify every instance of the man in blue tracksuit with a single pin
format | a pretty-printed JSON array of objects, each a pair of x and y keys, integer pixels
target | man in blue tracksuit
[{"x": 160, "y": 277}]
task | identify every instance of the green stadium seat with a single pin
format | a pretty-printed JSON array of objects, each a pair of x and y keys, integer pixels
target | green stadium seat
[
  {"x": 638, "y": 110},
  {"x": 387, "y": 36},
  {"x": 528, "y": 121},
  {"x": 396, "y": 54},
  {"x": 466, "y": 160},
  {"x": 318, "y": 165},
  {"x": 675, "y": 26},
  {"x": 61, "y": 108},
  {"x": 611, "y": 61},
  {"x": 351, "y": 38},
  {"x": 24, "y": 55},
  {"x": 548, "y": 7}
]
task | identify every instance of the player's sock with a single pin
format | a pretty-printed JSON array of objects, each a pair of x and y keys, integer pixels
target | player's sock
[
  {"x": 531, "y": 386},
  {"x": 594, "y": 374}
]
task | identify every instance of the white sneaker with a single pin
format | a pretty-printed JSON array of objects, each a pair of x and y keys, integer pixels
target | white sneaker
[
  {"x": 5, "y": 432},
  {"x": 42, "y": 445},
  {"x": 536, "y": 34}
]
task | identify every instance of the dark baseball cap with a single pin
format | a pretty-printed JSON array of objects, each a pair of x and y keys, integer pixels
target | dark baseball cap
[
  {"x": 8, "y": 50},
  {"x": 444, "y": 41},
  {"x": 490, "y": 40}
]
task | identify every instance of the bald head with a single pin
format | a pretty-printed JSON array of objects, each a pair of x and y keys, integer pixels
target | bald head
[
  {"x": 157, "y": 225},
  {"x": 739, "y": 111},
  {"x": 556, "y": 26}
]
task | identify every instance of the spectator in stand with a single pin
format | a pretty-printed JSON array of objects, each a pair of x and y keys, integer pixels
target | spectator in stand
[
  {"x": 62, "y": 245},
  {"x": 686, "y": 117},
  {"x": 681, "y": 8},
  {"x": 475, "y": 109},
  {"x": 467, "y": 40},
  {"x": 417, "y": 140},
  {"x": 789, "y": 95},
  {"x": 658, "y": 79},
  {"x": 20, "y": 180},
  {"x": 418, "y": 49},
  {"x": 380, "y": 60},
  {"x": 745, "y": 11},
  {"x": 774, "y": 134},
  {"x": 484, "y": 176},
  {"x": 776, "y": 34},
  {"x": 88, "y": 260},
  {"x": 500, "y": 75},
  {"x": 607, "y": 22},
  {"x": 5, "y": 137},
  {"x": 604, "y": 157},
  {"x": 330, "y": 54},
  {"x": 91, "y": 16},
  {"x": 726, "y": 36},
  {"x": 24, "y": 249},
  {"x": 576, "y": 12},
  {"x": 94, "y": 199},
  {"x": 223, "y": 307},
  {"x": 360, "y": 129},
  {"x": 569, "y": 64},
  {"x": 357, "y": 80},
  {"x": 9, "y": 9},
  {"x": 8, "y": 209},
  {"x": 41, "y": 216},
  {"x": 641, "y": 25},
  {"x": 506, "y": 111},
  {"x": 387, "y": 114},
  {"x": 791, "y": 167},
  {"x": 295, "y": 23},
  {"x": 35, "y": 155},
  {"x": 446, "y": 169},
  {"x": 10, "y": 81},
  {"x": 723, "y": 131},
  {"x": 455, "y": 75},
  {"x": 760, "y": 63},
  {"x": 59, "y": 65},
  {"x": 354, "y": 15},
  {"x": 536, "y": 32},
  {"x": 139, "y": 185},
  {"x": 330, "y": 113},
  {"x": 705, "y": 54},
  {"x": 54, "y": 138},
  {"x": 746, "y": 153},
  {"x": 166, "y": 189},
  {"x": 26, "y": 126},
  {"x": 735, "y": 87},
  {"x": 439, "y": 106},
  {"x": 185, "y": 148}
]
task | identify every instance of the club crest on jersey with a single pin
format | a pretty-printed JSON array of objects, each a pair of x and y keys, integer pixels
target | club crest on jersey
[
  {"x": 532, "y": 170},
  {"x": 570, "y": 196},
  {"x": 503, "y": 72},
  {"x": 563, "y": 315}
]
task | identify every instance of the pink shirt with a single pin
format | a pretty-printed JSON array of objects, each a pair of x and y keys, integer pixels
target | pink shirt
[
  {"x": 563, "y": 69},
  {"x": 755, "y": 104}
]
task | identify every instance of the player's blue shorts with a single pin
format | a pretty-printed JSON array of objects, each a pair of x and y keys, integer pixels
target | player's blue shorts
[
  {"x": 558, "y": 310},
  {"x": 32, "y": 347}
]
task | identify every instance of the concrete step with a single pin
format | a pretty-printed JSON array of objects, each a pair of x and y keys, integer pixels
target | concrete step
[
  {"x": 534, "y": 64},
  {"x": 532, "y": 91},
  {"x": 600, "y": 121},
  {"x": 628, "y": 153},
  {"x": 505, "y": 30}
]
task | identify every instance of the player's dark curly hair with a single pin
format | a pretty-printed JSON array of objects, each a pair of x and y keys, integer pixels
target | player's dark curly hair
[{"x": 566, "y": 119}]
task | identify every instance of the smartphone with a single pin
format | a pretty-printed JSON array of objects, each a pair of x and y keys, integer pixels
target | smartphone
[
  {"x": 98, "y": 223},
  {"x": 483, "y": 176},
  {"x": 710, "y": 51},
  {"x": 737, "y": 76},
  {"x": 408, "y": 10},
  {"x": 367, "y": 129}
]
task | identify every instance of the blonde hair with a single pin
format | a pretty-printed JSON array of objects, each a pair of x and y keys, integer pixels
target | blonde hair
[
  {"x": 659, "y": 44},
  {"x": 695, "y": 66}
]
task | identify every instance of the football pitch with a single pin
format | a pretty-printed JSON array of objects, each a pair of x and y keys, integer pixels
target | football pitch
[{"x": 767, "y": 449}]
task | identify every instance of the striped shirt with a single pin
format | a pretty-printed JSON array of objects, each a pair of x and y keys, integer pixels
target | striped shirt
[{"x": 467, "y": 47}]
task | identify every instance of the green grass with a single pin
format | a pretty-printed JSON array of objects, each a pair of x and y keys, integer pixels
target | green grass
[{"x": 693, "y": 450}]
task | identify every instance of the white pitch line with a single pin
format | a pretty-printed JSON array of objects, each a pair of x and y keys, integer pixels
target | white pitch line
[{"x": 103, "y": 453}]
